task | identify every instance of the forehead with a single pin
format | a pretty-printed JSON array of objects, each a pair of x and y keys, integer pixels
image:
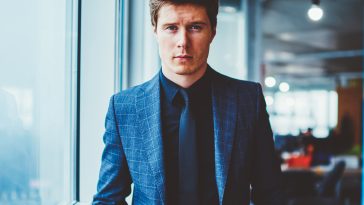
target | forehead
[{"x": 170, "y": 13}]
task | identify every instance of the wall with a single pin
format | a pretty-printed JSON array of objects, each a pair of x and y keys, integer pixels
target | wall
[
  {"x": 97, "y": 85},
  {"x": 350, "y": 103}
]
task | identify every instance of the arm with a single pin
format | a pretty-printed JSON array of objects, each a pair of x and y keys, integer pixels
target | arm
[
  {"x": 266, "y": 180},
  {"x": 114, "y": 180}
]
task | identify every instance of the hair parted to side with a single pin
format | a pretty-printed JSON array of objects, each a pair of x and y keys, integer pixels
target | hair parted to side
[{"x": 211, "y": 6}]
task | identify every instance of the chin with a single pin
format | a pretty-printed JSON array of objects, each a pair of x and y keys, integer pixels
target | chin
[{"x": 186, "y": 70}]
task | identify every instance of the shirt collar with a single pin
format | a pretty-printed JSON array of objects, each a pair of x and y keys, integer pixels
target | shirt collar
[
  {"x": 170, "y": 88},
  {"x": 197, "y": 90}
]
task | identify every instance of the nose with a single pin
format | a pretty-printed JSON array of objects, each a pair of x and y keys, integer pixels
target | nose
[{"x": 182, "y": 39}]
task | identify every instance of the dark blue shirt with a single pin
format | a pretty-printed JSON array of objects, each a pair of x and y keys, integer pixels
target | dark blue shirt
[{"x": 201, "y": 104}]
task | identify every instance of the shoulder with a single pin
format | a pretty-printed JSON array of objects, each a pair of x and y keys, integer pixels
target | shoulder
[
  {"x": 244, "y": 87},
  {"x": 125, "y": 102},
  {"x": 129, "y": 95}
]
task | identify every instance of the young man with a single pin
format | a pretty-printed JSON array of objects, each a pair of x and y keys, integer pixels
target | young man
[{"x": 190, "y": 135}]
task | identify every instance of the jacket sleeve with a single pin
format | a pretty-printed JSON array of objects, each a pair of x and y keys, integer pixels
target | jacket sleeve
[
  {"x": 114, "y": 179},
  {"x": 266, "y": 179}
]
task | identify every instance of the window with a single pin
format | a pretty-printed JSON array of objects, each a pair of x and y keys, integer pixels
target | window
[
  {"x": 36, "y": 102},
  {"x": 296, "y": 111}
]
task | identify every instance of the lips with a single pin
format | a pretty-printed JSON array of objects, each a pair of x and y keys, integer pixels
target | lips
[{"x": 183, "y": 57}]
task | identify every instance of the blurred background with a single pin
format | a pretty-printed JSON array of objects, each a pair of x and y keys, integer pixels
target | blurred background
[
  {"x": 312, "y": 59},
  {"x": 60, "y": 61}
]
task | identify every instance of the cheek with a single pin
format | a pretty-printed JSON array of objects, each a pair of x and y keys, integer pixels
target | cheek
[
  {"x": 167, "y": 47},
  {"x": 202, "y": 45}
]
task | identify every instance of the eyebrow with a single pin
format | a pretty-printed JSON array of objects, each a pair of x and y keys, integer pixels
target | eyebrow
[
  {"x": 199, "y": 22},
  {"x": 194, "y": 22}
]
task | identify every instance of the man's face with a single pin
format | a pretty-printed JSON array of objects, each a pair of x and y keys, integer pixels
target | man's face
[{"x": 184, "y": 35}]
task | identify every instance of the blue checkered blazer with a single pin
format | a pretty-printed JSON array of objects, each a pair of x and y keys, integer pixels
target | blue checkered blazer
[{"x": 245, "y": 164}]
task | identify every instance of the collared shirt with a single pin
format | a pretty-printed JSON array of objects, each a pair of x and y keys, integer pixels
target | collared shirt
[{"x": 201, "y": 104}]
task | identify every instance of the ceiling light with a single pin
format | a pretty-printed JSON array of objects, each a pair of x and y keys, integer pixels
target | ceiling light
[
  {"x": 270, "y": 81},
  {"x": 284, "y": 87},
  {"x": 315, "y": 13},
  {"x": 287, "y": 36}
]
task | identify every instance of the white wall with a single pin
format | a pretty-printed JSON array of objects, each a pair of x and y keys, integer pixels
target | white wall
[
  {"x": 97, "y": 85},
  {"x": 227, "y": 51},
  {"x": 142, "y": 51},
  {"x": 99, "y": 74}
]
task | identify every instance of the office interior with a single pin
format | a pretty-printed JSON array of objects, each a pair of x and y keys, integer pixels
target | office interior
[{"x": 62, "y": 60}]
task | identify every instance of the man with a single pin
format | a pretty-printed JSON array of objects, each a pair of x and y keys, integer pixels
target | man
[{"x": 190, "y": 135}]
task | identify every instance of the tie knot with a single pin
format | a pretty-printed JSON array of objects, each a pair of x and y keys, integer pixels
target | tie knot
[{"x": 185, "y": 96}]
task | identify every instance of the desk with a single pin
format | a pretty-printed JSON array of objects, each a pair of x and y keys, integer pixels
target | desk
[
  {"x": 302, "y": 183},
  {"x": 322, "y": 170}
]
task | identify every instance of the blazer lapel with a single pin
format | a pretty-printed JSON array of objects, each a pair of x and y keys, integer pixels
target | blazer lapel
[
  {"x": 149, "y": 117},
  {"x": 224, "y": 107}
]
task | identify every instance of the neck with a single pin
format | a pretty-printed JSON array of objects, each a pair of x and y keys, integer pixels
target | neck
[{"x": 184, "y": 80}]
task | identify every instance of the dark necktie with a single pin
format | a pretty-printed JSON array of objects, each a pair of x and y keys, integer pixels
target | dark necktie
[{"x": 187, "y": 156}]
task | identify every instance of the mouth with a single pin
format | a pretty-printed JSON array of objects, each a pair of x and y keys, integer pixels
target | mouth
[{"x": 183, "y": 57}]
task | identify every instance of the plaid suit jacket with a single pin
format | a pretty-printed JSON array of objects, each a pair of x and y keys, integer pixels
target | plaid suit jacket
[{"x": 245, "y": 164}]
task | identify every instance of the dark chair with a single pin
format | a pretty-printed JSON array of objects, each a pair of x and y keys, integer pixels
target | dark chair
[
  {"x": 349, "y": 189},
  {"x": 300, "y": 187},
  {"x": 327, "y": 186}
]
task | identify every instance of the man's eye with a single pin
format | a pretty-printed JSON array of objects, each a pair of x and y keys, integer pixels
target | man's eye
[
  {"x": 196, "y": 27},
  {"x": 171, "y": 28}
]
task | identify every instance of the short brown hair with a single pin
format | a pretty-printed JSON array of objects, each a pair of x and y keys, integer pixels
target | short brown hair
[{"x": 211, "y": 6}]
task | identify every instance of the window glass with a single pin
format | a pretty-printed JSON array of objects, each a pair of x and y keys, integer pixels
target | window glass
[
  {"x": 35, "y": 102},
  {"x": 296, "y": 111}
]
